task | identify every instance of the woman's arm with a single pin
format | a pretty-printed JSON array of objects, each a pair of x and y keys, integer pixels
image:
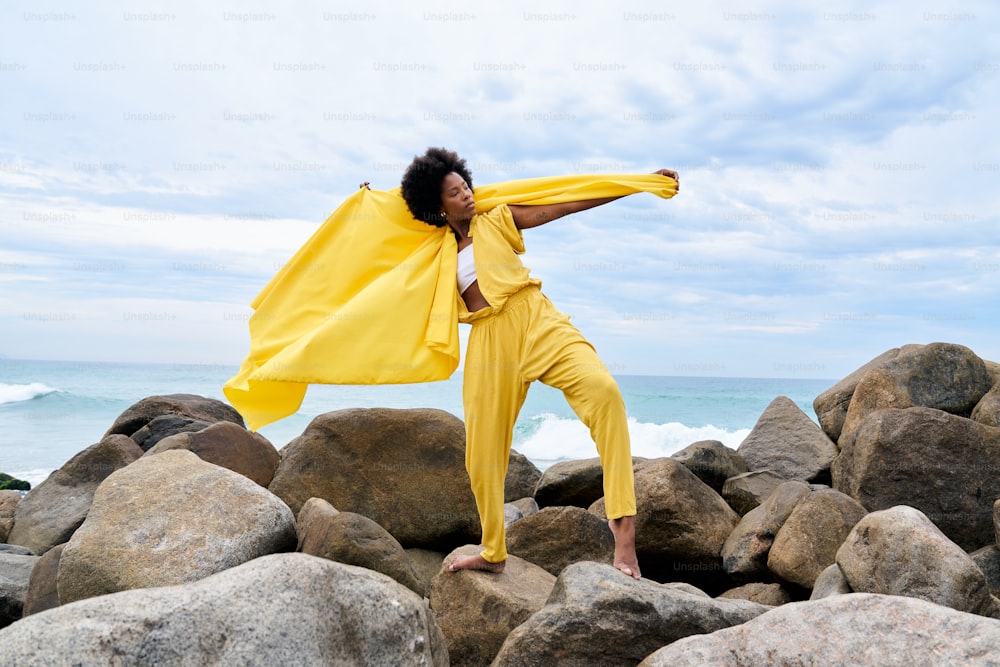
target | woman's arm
[{"x": 527, "y": 216}]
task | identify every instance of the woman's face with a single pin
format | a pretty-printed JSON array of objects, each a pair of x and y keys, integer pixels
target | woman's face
[{"x": 457, "y": 201}]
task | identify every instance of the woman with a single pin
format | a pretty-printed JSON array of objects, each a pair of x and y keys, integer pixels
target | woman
[{"x": 518, "y": 337}]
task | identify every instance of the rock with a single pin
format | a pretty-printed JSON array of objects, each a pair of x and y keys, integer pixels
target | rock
[
  {"x": 770, "y": 594},
  {"x": 42, "y": 593},
  {"x": 53, "y": 510},
  {"x": 16, "y": 550},
  {"x": 712, "y": 462},
  {"x": 518, "y": 509},
  {"x": 830, "y": 581},
  {"x": 746, "y": 491},
  {"x": 15, "y": 570},
  {"x": 930, "y": 460},
  {"x": 940, "y": 375},
  {"x": 681, "y": 525},
  {"x": 282, "y": 609},
  {"x": 477, "y": 610},
  {"x": 554, "y": 537},
  {"x": 353, "y": 539},
  {"x": 987, "y": 559},
  {"x": 8, "y": 503},
  {"x": 165, "y": 426},
  {"x": 403, "y": 469},
  {"x": 807, "y": 542},
  {"x": 426, "y": 564},
  {"x": 577, "y": 483},
  {"x": 987, "y": 410},
  {"x": 831, "y": 406},
  {"x": 185, "y": 405},
  {"x": 522, "y": 477},
  {"x": 745, "y": 551},
  {"x": 596, "y": 615},
  {"x": 843, "y": 631},
  {"x": 169, "y": 519},
  {"x": 228, "y": 445},
  {"x": 787, "y": 442},
  {"x": 898, "y": 551}
]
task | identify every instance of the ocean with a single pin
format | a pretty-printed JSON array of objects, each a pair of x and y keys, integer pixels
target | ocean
[{"x": 51, "y": 410}]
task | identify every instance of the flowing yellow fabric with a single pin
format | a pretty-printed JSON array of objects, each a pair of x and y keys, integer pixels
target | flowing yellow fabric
[{"x": 371, "y": 297}]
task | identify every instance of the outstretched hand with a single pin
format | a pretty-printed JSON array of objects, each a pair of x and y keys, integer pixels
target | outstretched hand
[{"x": 668, "y": 172}]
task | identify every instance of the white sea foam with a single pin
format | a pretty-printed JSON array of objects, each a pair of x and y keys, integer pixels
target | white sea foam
[
  {"x": 14, "y": 393},
  {"x": 33, "y": 477},
  {"x": 558, "y": 439}
]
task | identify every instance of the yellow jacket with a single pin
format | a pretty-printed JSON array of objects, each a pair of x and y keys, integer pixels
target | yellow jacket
[{"x": 372, "y": 298}]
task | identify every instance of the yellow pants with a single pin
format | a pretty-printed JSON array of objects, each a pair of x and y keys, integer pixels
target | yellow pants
[{"x": 530, "y": 340}]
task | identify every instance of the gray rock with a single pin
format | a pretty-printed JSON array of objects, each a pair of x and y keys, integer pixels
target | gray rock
[
  {"x": 786, "y": 441},
  {"x": 712, "y": 462},
  {"x": 15, "y": 571},
  {"x": 353, "y": 539},
  {"x": 844, "y": 631},
  {"x": 987, "y": 559},
  {"x": 554, "y": 537},
  {"x": 579, "y": 483},
  {"x": 403, "y": 469},
  {"x": 522, "y": 477},
  {"x": 831, "y": 406},
  {"x": 165, "y": 426},
  {"x": 830, "y": 581},
  {"x": 518, "y": 509},
  {"x": 53, "y": 510},
  {"x": 228, "y": 445},
  {"x": 745, "y": 551},
  {"x": 807, "y": 542},
  {"x": 596, "y": 615},
  {"x": 426, "y": 564},
  {"x": 477, "y": 610},
  {"x": 943, "y": 376},
  {"x": 747, "y": 491},
  {"x": 898, "y": 551},
  {"x": 987, "y": 411},
  {"x": 191, "y": 406},
  {"x": 283, "y": 609},
  {"x": 939, "y": 463},
  {"x": 169, "y": 519}
]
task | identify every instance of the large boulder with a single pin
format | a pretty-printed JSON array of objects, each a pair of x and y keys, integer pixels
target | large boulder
[
  {"x": 596, "y": 615},
  {"x": 477, "y": 610},
  {"x": 927, "y": 459},
  {"x": 53, "y": 510},
  {"x": 165, "y": 426},
  {"x": 712, "y": 462},
  {"x": 353, "y": 539},
  {"x": 844, "y": 631},
  {"x": 831, "y": 406},
  {"x": 554, "y": 537},
  {"x": 784, "y": 440},
  {"x": 944, "y": 376},
  {"x": 522, "y": 477},
  {"x": 681, "y": 525},
  {"x": 169, "y": 519},
  {"x": 987, "y": 411},
  {"x": 745, "y": 551},
  {"x": 282, "y": 609},
  {"x": 191, "y": 406},
  {"x": 228, "y": 445},
  {"x": 15, "y": 572},
  {"x": 807, "y": 542},
  {"x": 404, "y": 469},
  {"x": 898, "y": 551}
]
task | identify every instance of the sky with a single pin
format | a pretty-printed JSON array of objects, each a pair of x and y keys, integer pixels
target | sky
[{"x": 838, "y": 163}]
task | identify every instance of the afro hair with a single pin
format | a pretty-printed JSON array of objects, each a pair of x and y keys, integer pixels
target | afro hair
[{"x": 421, "y": 187}]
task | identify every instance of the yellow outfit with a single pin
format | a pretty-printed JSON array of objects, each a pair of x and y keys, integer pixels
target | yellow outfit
[
  {"x": 371, "y": 297},
  {"x": 521, "y": 338}
]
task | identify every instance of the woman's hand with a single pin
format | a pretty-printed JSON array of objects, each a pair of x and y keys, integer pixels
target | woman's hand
[{"x": 668, "y": 172}]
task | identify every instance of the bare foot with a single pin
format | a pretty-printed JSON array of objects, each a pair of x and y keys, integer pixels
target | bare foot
[
  {"x": 476, "y": 562},
  {"x": 625, "y": 559}
]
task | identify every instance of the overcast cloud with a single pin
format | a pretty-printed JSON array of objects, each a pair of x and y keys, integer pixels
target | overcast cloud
[{"x": 839, "y": 167}]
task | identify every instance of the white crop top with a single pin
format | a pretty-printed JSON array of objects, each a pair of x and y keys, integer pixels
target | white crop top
[{"x": 466, "y": 269}]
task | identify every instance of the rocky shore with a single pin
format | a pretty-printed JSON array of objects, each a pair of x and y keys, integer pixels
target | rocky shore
[{"x": 182, "y": 538}]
